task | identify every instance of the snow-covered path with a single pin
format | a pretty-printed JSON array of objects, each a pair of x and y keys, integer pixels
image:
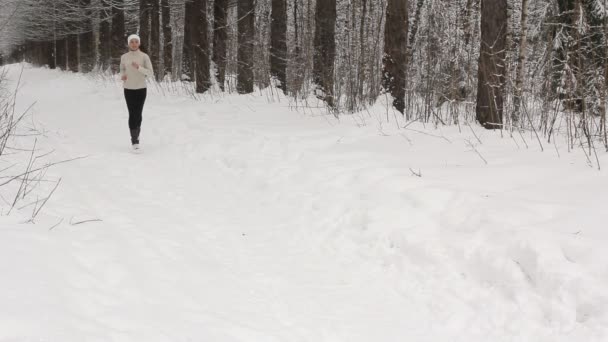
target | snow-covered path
[{"x": 248, "y": 221}]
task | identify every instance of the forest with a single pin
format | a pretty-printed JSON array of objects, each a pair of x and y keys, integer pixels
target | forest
[{"x": 523, "y": 66}]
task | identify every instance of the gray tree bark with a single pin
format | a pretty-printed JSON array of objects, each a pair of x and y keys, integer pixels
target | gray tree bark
[
  {"x": 491, "y": 73},
  {"x": 325, "y": 50},
  {"x": 278, "y": 43},
  {"x": 395, "y": 52},
  {"x": 246, "y": 28}
]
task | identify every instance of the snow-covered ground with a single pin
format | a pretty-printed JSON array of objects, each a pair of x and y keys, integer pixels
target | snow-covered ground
[{"x": 245, "y": 220}]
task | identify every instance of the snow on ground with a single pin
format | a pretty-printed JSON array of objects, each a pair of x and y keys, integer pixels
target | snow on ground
[{"x": 245, "y": 220}]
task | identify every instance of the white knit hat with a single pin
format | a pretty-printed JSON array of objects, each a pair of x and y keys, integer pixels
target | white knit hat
[{"x": 133, "y": 36}]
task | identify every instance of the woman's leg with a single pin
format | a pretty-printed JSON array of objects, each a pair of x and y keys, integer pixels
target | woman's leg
[
  {"x": 135, "y": 101},
  {"x": 141, "y": 100}
]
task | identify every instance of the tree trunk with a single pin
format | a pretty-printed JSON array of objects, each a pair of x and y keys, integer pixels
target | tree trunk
[
  {"x": 521, "y": 60},
  {"x": 562, "y": 28},
  {"x": 188, "y": 51},
  {"x": 362, "y": 53},
  {"x": 105, "y": 34},
  {"x": 119, "y": 39},
  {"x": 467, "y": 22},
  {"x": 605, "y": 85},
  {"x": 155, "y": 39},
  {"x": 491, "y": 74},
  {"x": 87, "y": 39},
  {"x": 415, "y": 25},
  {"x": 73, "y": 60},
  {"x": 220, "y": 35},
  {"x": 278, "y": 43},
  {"x": 395, "y": 52},
  {"x": 201, "y": 45},
  {"x": 61, "y": 57},
  {"x": 325, "y": 50},
  {"x": 246, "y": 15},
  {"x": 167, "y": 37},
  {"x": 50, "y": 54},
  {"x": 145, "y": 14}
]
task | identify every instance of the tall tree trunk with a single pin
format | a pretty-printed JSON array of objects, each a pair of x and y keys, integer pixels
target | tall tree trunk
[
  {"x": 73, "y": 60},
  {"x": 201, "y": 45},
  {"x": 415, "y": 25},
  {"x": 605, "y": 85},
  {"x": 155, "y": 38},
  {"x": 297, "y": 60},
  {"x": 145, "y": 14},
  {"x": 580, "y": 85},
  {"x": 119, "y": 39},
  {"x": 220, "y": 35},
  {"x": 87, "y": 38},
  {"x": 188, "y": 50},
  {"x": 395, "y": 52},
  {"x": 296, "y": 26},
  {"x": 509, "y": 42},
  {"x": 467, "y": 22},
  {"x": 325, "y": 50},
  {"x": 561, "y": 44},
  {"x": 50, "y": 54},
  {"x": 521, "y": 60},
  {"x": 491, "y": 74},
  {"x": 27, "y": 53},
  {"x": 105, "y": 34},
  {"x": 61, "y": 57},
  {"x": 167, "y": 38},
  {"x": 72, "y": 38},
  {"x": 246, "y": 15},
  {"x": 362, "y": 52},
  {"x": 278, "y": 43}
]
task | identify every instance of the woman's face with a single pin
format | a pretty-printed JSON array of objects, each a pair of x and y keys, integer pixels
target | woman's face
[{"x": 134, "y": 44}]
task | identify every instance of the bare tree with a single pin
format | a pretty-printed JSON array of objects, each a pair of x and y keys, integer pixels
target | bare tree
[
  {"x": 105, "y": 34},
  {"x": 491, "y": 73},
  {"x": 72, "y": 46},
  {"x": 361, "y": 73},
  {"x": 187, "y": 48},
  {"x": 325, "y": 50},
  {"x": 521, "y": 60},
  {"x": 167, "y": 38},
  {"x": 145, "y": 27},
  {"x": 220, "y": 35},
  {"x": 246, "y": 15},
  {"x": 118, "y": 33},
  {"x": 201, "y": 45},
  {"x": 86, "y": 37},
  {"x": 467, "y": 21},
  {"x": 155, "y": 38},
  {"x": 603, "y": 99},
  {"x": 395, "y": 52},
  {"x": 61, "y": 53},
  {"x": 278, "y": 47}
]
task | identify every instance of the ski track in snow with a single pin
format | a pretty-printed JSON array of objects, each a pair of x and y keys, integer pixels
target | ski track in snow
[{"x": 243, "y": 220}]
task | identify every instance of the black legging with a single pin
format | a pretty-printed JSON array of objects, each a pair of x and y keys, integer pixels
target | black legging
[{"x": 135, "y": 102}]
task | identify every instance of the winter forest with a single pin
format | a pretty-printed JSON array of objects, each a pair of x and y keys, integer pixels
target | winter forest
[{"x": 509, "y": 64}]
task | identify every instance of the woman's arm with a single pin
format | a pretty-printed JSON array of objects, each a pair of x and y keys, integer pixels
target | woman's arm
[
  {"x": 146, "y": 69},
  {"x": 123, "y": 68}
]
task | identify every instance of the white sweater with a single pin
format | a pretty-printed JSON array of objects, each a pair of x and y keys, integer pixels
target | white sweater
[{"x": 136, "y": 78}]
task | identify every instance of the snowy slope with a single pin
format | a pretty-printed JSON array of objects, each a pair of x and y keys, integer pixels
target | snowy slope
[{"x": 245, "y": 220}]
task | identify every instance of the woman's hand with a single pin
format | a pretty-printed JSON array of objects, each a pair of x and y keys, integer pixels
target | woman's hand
[
  {"x": 135, "y": 65},
  {"x": 124, "y": 77}
]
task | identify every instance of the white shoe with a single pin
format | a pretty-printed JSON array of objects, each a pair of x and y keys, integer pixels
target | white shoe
[{"x": 136, "y": 147}]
